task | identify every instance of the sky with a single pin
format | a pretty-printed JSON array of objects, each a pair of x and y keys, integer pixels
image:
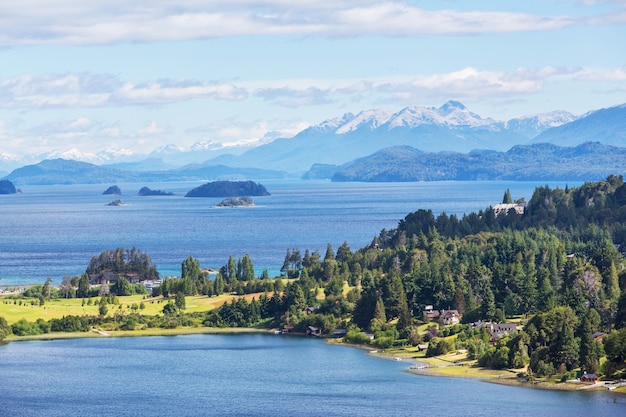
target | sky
[{"x": 135, "y": 75}]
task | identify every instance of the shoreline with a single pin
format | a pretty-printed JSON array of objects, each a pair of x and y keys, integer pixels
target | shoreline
[
  {"x": 447, "y": 368},
  {"x": 432, "y": 367},
  {"x": 95, "y": 333}
]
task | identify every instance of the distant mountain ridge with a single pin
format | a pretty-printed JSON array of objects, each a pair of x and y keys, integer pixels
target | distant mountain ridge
[
  {"x": 451, "y": 127},
  {"x": 61, "y": 171},
  {"x": 336, "y": 141},
  {"x": 588, "y": 161}
]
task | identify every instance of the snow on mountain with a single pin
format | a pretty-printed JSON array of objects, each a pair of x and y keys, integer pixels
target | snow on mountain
[
  {"x": 534, "y": 125},
  {"x": 330, "y": 125},
  {"x": 167, "y": 150},
  {"x": 452, "y": 113},
  {"x": 370, "y": 119}
]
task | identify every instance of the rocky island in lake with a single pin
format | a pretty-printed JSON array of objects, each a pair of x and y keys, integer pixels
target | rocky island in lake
[
  {"x": 116, "y": 203},
  {"x": 236, "y": 202},
  {"x": 145, "y": 191},
  {"x": 228, "y": 189},
  {"x": 112, "y": 190},
  {"x": 7, "y": 187}
]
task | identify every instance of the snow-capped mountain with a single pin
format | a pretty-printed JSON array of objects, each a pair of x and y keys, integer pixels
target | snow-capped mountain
[
  {"x": 607, "y": 126},
  {"x": 452, "y": 113},
  {"x": 533, "y": 125},
  {"x": 451, "y": 127}
]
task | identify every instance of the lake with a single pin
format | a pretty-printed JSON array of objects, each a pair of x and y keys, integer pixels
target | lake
[
  {"x": 51, "y": 231},
  {"x": 252, "y": 375}
]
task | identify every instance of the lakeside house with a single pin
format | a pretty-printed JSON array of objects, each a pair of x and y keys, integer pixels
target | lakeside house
[
  {"x": 313, "y": 331},
  {"x": 589, "y": 378},
  {"x": 448, "y": 316},
  {"x": 506, "y": 208},
  {"x": 110, "y": 278},
  {"x": 495, "y": 330}
]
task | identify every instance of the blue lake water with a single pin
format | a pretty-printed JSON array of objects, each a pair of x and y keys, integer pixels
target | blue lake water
[
  {"x": 50, "y": 231},
  {"x": 252, "y": 375}
]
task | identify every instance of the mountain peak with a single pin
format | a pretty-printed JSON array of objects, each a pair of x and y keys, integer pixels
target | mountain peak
[{"x": 451, "y": 106}]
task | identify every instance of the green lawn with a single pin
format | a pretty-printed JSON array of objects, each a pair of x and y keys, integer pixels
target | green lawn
[{"x": 12, "y": 311}]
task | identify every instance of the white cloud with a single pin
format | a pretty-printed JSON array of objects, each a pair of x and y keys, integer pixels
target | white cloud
[
  {"x": 235, "y": 132},
  {"x": 76, "y": 22},
  {"x": 80, "y": 90},
  {"x": 152, "y": 129}
]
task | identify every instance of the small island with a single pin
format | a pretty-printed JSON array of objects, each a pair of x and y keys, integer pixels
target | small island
[
  {"x": 236, "y": 202},
  {"x": 112, "y": 190},
  {"x": 7, "y": 187},
  {"x": 145, "y": 191},
  {"x": 116, "y": 203},
  {"x": 228, "y": 189}
]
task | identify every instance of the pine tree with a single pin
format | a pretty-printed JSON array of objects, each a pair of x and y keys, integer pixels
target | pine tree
[
  {"x": 586, "y": 353},
  {"x": 612, "y": 284},
  {"x": 488, "y": 305},
  {"x": 218, "y": 284},
  {"x": 564, "y": 349},
  {"x": 180, "y": 301},
  {"x": 507, "y": 197}
]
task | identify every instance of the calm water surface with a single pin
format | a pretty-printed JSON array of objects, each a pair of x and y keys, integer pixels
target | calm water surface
[
  {"x": 50, "y": 231},
  {"x": 252, "y": 375}
]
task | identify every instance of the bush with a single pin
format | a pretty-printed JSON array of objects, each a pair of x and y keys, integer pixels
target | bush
[
  {"x": 438, "y": 346},
  {"x": 69, "y": 324},
  {"x": 357, "y": 337},
  {"x": 25, "y": 328}
]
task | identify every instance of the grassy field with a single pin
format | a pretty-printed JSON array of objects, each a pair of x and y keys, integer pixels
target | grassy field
[{"x": 13, "y": 311}]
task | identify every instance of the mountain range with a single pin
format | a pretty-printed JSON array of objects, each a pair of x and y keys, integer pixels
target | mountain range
[
  {"x": 588, "y": 161},
  {"x": 337, "y": 142}
]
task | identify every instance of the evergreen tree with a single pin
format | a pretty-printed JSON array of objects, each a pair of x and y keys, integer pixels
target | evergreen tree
[
  {"x": 507, "y": 197},
  {"x": 565, "y": 349},
  {"x": 180, "y": 301},
  {"x": 588, "y": 360},
  {"x": 45, "y": 290},
  {"x": 379, "y": 311},
  {"x": 218, "y": 284},
  {"x": 611, "y": 286},
  {"x": 83, "y": 286},
  {"x": 488, "y": 305}
]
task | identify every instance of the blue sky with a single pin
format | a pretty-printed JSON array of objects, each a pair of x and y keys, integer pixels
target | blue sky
[{"x": 137, "y": 75}]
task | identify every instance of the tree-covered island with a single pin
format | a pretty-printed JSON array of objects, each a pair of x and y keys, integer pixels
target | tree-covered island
[
  {"x": 228, "y": 189},
  {"x": 536, "y": 288}
]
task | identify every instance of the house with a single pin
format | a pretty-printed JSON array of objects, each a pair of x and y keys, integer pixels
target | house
[
  {"x": 497, "y": 330},
  {"x": 450, "y": 316},
  {"x": 598, "y": 335},
  {"x": 589, "y": 378},
  {"x": 505, "y": 208},
  {"x": 311, "y": 310},
  {"x": 313, "y": 331},
  {"x": 339, "y": 332},
  {"x": 103, "y": 278},
  {"x": 429, "y": 313}
]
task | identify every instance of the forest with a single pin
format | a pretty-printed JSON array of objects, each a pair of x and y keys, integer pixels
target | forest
[{"x": 556, "y": 270}]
